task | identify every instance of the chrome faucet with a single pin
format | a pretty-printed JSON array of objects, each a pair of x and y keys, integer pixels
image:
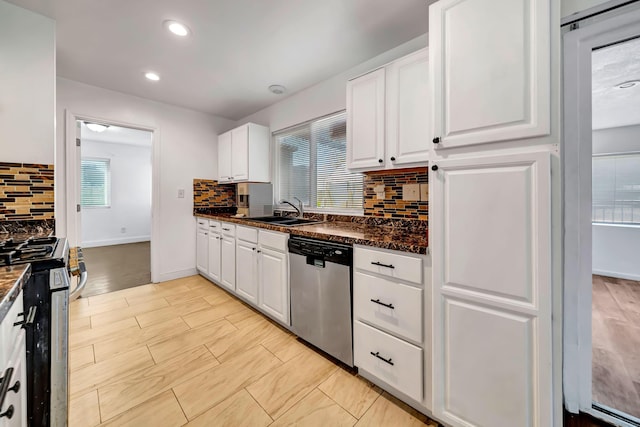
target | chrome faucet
[{"x": 299, "y": 209}]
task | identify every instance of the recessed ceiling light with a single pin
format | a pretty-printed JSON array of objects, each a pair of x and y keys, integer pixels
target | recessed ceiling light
[
  {"x": 277, "y": 89},
  {"x": 152, "y": 76},
  {"x": 628, "y": 84},
  {"x": 177, "y": 28},
  {"x": 96, "y": 127}
]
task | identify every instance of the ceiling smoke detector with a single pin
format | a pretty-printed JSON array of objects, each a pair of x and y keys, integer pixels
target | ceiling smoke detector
[
  {"x": 628, "y": 84},
  {"x": 177, "y": 28},
  {"x": 96, "y": 127},
  {"x": 277, "y": 89}
]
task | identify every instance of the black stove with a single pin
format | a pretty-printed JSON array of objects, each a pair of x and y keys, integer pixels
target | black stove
[{"x": 43, "y": 253}]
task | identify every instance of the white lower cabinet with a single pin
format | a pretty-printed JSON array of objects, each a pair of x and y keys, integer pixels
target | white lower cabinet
[
  {"x": 202, "y": 250},
  {"x": 391, "y": 332},
  {"x": 215, "y": 249},
  {"x": 246, "y": 271},
  {"x": 393, "y": 360},
  {"x": 274, "y": 284},
  {"x": 251, "y": 262},
  {"x": 228, "y": 261}
]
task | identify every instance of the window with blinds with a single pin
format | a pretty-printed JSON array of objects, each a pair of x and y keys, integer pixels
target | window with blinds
[
  {"x": 616, "y": 189},
  {"x": 95, "y": 183},
  {"x": 311, "y": 161}
]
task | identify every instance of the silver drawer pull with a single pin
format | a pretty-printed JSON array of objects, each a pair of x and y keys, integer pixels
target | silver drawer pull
[
  {"x": 377, "y": 301},
  {"x": 382, "y": 265},
  {"x": 377, "y": 354}
]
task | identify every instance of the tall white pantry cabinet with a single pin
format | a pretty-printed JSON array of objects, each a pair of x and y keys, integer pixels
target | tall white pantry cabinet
[{"x": 490, "y": 212}]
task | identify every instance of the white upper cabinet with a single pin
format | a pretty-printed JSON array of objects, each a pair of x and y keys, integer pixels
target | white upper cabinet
[
  {"x": 243, "y": 154},
  {"x": 490, "y": 238},
  {"x": 365, "y": 121},
  {"x": 388, "y": 115},
  {"x": 490, "y": 69},
  {"x": 408, "y": 104}
]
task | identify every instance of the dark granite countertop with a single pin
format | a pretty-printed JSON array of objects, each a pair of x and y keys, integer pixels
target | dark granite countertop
[
  {"x": 12, "y": 280},
  {"x": 380, "y": 236}
]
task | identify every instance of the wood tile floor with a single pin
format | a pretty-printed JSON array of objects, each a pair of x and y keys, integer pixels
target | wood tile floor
[
  {"x": 112, "y": 268},
  {"x": 187, "y": 353},
  {"x": 616, "y": 343}
]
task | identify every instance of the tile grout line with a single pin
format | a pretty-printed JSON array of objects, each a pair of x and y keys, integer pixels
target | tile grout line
[
  {"x": 180, "y": 405},
  {"x": 258, "y": 403}
]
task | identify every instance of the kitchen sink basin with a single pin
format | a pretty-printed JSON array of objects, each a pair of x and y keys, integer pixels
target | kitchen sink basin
[{"x": 285, "y": 221}]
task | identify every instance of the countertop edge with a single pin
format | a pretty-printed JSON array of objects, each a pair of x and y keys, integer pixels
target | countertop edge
[
  {"x": 300, "y": 231},
  {"x": 14, "y": 291}
]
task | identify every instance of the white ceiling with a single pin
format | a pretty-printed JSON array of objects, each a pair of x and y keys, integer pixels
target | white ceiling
[
  {"x": 614, "y": 107},
  {"x": 118, "y": 135},
  {"x": 237, "y": 47}
]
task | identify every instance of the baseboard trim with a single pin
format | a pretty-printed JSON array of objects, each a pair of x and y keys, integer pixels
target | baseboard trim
[
  {"x": 165, "y": 277},
  {"x": 113, "y": 242},
  {"x": 617, "y": 275}
]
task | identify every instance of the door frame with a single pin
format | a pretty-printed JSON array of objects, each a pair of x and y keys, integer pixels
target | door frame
[
  {"x": 72, "y": 174},
  {"x": 578, "y": 45}
]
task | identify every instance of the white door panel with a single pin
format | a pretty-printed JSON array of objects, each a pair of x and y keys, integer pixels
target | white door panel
[
  {"x": 492, "y": 291},
  {"x": 490, "y": 68},
  {"x": 478, "y": 218}
]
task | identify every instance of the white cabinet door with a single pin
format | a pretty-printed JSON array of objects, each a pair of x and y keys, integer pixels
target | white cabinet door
[
  {"x": 228, "y": 263},
  {"x": 274, "y": 284},
  {"x": 492, "y": 291},
  {"x": 246, "y": 269},
  {"x": 202, "y": 251},
  {"x": 490, "y": 68},
  {"x": 240, "y": 155},
  {"x": 224, "y": 157},
  {"x": 408, "y": 116},
  {"x": 215, "y": 242},
  {"x": 365, "y": 121}
]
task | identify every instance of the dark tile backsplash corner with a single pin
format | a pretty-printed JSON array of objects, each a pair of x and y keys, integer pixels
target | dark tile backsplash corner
[
  {"x": 392, "y": 206},
  {"x": 210, "y": 194},
  {"x": 26, "y": 192}
]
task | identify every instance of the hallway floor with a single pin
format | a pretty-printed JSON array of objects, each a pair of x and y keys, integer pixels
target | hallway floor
[
  {"x": 112, "y": 268},
  {"x": 616, "y": 343},
  {"x": 186, "y": 352}
]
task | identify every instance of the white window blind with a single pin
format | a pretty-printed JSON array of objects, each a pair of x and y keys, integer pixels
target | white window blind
[
  {"x": 312, "y": 166},
  {"x": 95, "y": 182},
  {"x": 616, "y": 189}
]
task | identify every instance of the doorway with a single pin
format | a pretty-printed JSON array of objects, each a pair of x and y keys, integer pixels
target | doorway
[
  {"x": 115, "y": 188},
  {"x": 601, "y": 156}
]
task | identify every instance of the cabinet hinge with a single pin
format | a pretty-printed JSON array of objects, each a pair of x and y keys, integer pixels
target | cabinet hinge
[
  {"x": 574, "y": 26},
  {"x": 77, "y": 142}
]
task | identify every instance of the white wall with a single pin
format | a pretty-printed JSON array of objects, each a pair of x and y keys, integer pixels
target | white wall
[
  {"x": 186, "y": 142},
  {"x": 615, "y": 251},
  {"x": 616, "y": 247},
  {"x": 327, "y": 96},
  {"x": 128, "y": 218},
  {"x": 27, "y": 86},
  {"x": 616, "y": 140}
]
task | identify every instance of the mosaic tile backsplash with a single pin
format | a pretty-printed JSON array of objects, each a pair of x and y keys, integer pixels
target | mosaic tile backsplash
[
  {"x": 392, "y": 206},
  {"x": 26, "y": 192},
  {"x": 208, "y": 194}
]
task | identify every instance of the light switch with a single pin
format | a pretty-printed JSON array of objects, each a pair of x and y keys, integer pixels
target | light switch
[
  {"x": 424, "y": 192},
  {"x": 379, "y": 190},
  {"x": 180, "y": 193},
  {"x": 411, "y": 192}
]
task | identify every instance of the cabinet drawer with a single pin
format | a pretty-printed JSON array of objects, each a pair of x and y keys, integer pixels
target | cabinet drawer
[
  {"x": 202, "y": 223},
  {"x": 215, "y": 226},
  {"x": 247, "y": 234},
  {"x": 228, "y": 229},
  {"x": 9, "y": 334},
  {"x": 372, "y": 297},
  {"x": 403, "y": 366},
  {"x": 274, "y": 240},
  {"x": 398, "y": 266}
]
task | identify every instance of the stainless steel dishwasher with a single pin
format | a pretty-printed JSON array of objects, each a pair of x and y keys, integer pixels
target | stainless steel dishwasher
[{"x": 320, "y": 278}]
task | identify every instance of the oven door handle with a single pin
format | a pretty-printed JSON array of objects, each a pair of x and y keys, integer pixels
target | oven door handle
[{"x": 83, "y": 281}]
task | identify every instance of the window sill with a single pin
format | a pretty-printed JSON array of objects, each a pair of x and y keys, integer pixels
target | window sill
[
  {"x": 609, "y": 224},
  {"x": 325, "y": 211}
]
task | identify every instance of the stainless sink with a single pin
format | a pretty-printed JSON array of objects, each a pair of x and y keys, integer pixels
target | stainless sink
[{"x": 285, "y": 221}]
